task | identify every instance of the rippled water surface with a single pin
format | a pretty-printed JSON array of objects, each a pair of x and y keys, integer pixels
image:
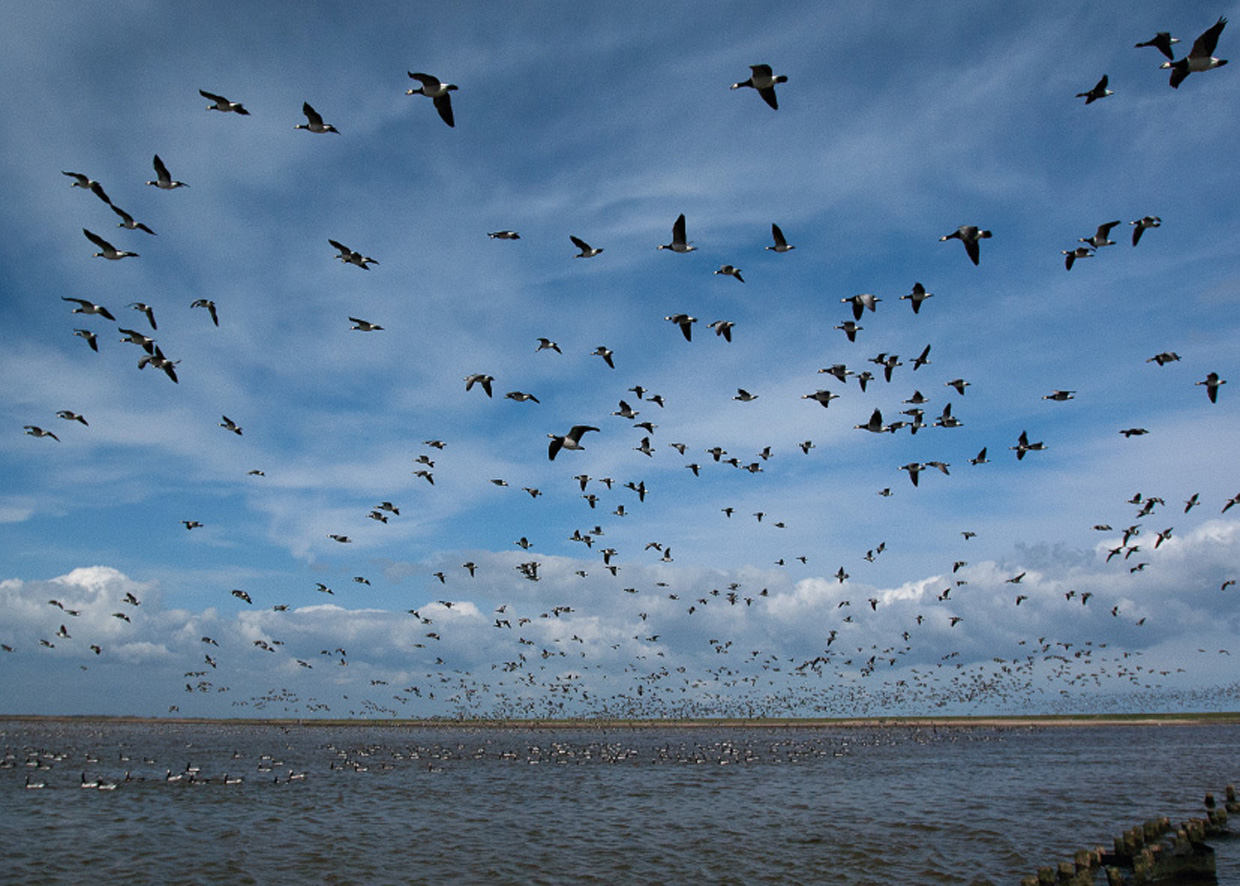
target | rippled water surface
[{"x": 544, "y": 806}]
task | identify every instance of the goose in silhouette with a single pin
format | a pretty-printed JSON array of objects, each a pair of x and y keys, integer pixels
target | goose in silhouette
[
  {"x": 744, "y": 396},
  {"x": 571, "y": 440},
  {"x": 860, "y": 302},
  {"x": 107, "y": 250},
  {"x": 723, "y": 328},
  {"x": 163, "y": 179},
  {"x": 679, "y": 243},
  {"x": 913, "y": 469},
  {"x": 146, "y": 310},
  {"x": 606, "y": 353},
  {"x": 1059, "y": 395},
  {"x": 364, "y": 325},
  {"x": 86, "y": 307},
  {"x": 875, "y": 424},
  {"x": 685, "y": 322},
  {"x": 980, "y": 458},
  {"x": 1139, "y": 226},
  {"x": 1212, "y": 383},
  {"x": 89, "y": 337},
  {"x": 1099, "y": 91},
  {"x": 1101, "y": 236},
  {"x": 1071, "y": 255},
  {"x": 229, "y": 425},
  {"x": 763, "y": 80},
  {"x": 546, "y": 344},
  {"x": 781, "y": 244},
  {"x": 481, "y": 379},
  {"x": 823, "y": 397},
  {"x": 971, "y": 236},
  {"x": 127, "y": 221},
  {"x": 438, "y": 92},
  {"x": 68, "y": 415},
  {"x": 349, "y": 257},
  {"x": 36, "y": 431},
  {"x": 917, "y": 296},
  {"x": 210, "y": 306},
  {"x": 521, "y": 397},
  {"x": 1162, "y": 41},
  {"x": 83, "y": 181},
  {"x": 1163, "y": 358},
  {"x": 730, "y": 271},
  {"x": 1023, "y": 445},
  {"x": 1200, "y": 57},
  {"x": 314, "y": 121},
  {"x": 850, "y": 329},
  {"x": 219, "y": 103},
  {"x": 504, "y": 235},
  {"x": 587, "y": 251}
]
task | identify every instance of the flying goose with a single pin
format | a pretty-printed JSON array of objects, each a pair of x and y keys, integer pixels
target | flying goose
[
  {"x": 823, "y": 397},
  {"x": 781, "y": 245},
  {"x": 127, "y": 221},
  {"x": 504, "y": 235},
  {"x": 875, "y": 424},
  {"x": 348, "y": 256},
  {"x": 219, "y": 103},
  {"x": 1023, "y": 445},
  {"x": 606, "y": 353},
  {"x": 210, "y": 306},
  {"x": 163, "y": 179},
  {"x": 86, "y": 307},
  {"x": 917, "y": 296},
  {"x": 1162, "y": 41},
  {"x": 1212, "y": 383},
  {"x": 685, "y": 322},
  {"x": 763, "y": 81},
  {"x": 679, "y": 243},
  {"x": 314, "y": 121},
  {"x": 1099, "y": 91},
  {"x": 229, "y": 425},
  {"x": 969, "y": 235},
  {"x": 145, "y": 309},
  {"x": 1200, "y": 57},
  {"x": 546, "y": 344},
  {"x": 571, "y": 440},
  {"x": 107, "y": 250},
  {"x": 1139, "y": 226},
  {"x": 723, "y": 328},
  {"x": 1071, "y": 255},
  {"x": 364, "y": 325},
  {"x": 587, "y": 251},
  {"x": 90, "y": 338},
  {"x": 1163, "y": 358},
  {"x": 68, "y": 415},
  {"x": 436, "y": 91},
  {"x": 36, "y": 431},
  {"x": 83, "y": 181},
  {"x": 481, "y": 379},
  {"x": 1100, "y": 237},
  {"x": 730, "y": 271},
  {"x": 860, "y": 302}
]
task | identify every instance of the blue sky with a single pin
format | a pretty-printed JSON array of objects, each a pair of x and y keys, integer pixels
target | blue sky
[{"x": 897, "y": 124}]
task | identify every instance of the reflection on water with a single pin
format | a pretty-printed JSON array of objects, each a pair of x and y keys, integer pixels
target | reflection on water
[{"x": 526, "y": 806}]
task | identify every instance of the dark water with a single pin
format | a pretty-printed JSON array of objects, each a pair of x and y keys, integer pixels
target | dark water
[{"x": 616, "y": 806}]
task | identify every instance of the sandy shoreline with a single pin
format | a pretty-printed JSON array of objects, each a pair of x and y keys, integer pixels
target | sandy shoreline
[{"x": 944, "y": 722}]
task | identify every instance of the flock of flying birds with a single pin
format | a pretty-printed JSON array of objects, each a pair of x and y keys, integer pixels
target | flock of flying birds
[{"x": 534, "y": 678}]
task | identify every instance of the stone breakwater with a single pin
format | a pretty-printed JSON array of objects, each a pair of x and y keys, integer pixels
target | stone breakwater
[{"x": 1148, "y": 853}]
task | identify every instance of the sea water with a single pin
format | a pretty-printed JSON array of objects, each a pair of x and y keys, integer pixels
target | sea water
[{"x": 688, "y": 805}]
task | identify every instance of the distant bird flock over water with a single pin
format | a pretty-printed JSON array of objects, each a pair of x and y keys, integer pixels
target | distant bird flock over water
[{"x": 567, "y": 441}]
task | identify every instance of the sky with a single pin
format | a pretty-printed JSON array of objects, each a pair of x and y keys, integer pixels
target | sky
[{"x": 1073, "y": 579}]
